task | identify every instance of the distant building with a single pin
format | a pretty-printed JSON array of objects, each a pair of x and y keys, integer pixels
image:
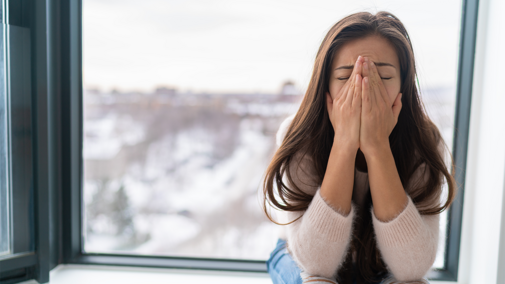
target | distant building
[
  {"x": 165, "y": 91},
  {"x": 289, "y": 88}
]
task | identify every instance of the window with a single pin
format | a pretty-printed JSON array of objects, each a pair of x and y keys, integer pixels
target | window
[
  {"x": 19, "y": 240},
  {"x": 181, "y": 102},
  {"x": 90, "y": 163}
]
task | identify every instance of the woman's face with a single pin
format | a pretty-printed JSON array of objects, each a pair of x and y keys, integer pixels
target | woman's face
[{"x": 377, "y": 49}]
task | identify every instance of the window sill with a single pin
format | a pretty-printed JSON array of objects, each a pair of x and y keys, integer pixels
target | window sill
[{"x": 99, "y": 274}]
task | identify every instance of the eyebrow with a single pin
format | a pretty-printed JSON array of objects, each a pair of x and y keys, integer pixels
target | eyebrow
[{"x": 378, "y": 64}]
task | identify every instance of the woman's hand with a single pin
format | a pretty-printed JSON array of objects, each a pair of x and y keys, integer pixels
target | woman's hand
[
  {"x": 378, "y": 115},
  {"x": 344, "y": 110}
]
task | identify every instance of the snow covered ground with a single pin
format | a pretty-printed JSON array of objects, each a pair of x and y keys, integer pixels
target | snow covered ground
[
  {"x": 181, "y": 199},
  {"x": 184, "y": 181}
]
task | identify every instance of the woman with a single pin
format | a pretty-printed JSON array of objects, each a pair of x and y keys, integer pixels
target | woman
[{"x": 360, "y": 166}]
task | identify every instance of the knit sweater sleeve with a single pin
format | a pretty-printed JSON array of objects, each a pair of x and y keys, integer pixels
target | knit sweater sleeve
[
  {"x": 318, "y": 240},
  {"x": 409, "y": 242}
]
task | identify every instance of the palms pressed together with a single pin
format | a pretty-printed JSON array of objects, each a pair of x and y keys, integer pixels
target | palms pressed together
[{"x": 362, "y": 114}]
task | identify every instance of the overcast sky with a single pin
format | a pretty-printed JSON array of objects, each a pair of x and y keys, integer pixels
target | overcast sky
[{"x": 245, "y": 46}]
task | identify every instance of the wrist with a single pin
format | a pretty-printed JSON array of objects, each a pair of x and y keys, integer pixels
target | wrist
[
  {"x": 377, "y": 152},
  {"x": 345, "y": 147}
]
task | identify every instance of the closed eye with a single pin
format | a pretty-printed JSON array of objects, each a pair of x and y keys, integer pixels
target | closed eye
[{"x": 345, "y": 78}]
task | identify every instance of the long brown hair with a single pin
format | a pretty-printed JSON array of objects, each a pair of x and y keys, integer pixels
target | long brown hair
[{"x": 414, "y": 141}]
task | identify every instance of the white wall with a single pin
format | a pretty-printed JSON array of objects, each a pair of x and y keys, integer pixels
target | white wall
[{"x": 486, "y": 157}]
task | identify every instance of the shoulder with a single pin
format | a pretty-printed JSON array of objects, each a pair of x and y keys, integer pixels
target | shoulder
[{"x": 283, "y": 129}]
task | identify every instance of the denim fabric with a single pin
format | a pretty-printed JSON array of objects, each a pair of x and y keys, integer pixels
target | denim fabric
[{"x": 283, "y": 269}]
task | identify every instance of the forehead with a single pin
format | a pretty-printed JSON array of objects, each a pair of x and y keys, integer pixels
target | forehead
[{"x": 377, "y": 48}]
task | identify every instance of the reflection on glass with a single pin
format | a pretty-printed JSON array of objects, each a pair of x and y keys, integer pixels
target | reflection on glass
[
  {"x": 182, "y": 100},
  {"x": 4, "y": 151},
  {"x": 20, "y": 152}
]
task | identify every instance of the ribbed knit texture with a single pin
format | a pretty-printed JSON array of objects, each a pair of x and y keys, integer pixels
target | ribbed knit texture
[
  {"x": 319, "y": 240},
  {"x": 408, "y": 243},
  {"x": 307, "y": 278},
  {"x": 324, "y": 220},
  {"x": 401, "y": 229}
]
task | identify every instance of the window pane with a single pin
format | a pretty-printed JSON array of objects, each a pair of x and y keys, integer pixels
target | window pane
[
  {"x": 4, "y": 149},
  {"x": 182, "y": 100},
  {"x": 19, "y": 125},
  {"x": 22, "y": 178}
]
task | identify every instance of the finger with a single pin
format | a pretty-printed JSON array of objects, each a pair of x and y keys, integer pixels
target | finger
[
  {"x": 341, "y": 95},
  {"x": 366, "y": 67},
  {"x": 348, "y": 88},
  {"x": 365, "y": 99},
  {"x": 397, "y": 106},
  {"x": 357, "y": 69},
  {"x": 358, "y": 65},
  {"x": 378, "y": 85},
  {"x": 357, "y": 91},
  {"x": 374, "y": 91},
  {"x": 351, "y": 82},
  {"x": 366, "y": 74}
]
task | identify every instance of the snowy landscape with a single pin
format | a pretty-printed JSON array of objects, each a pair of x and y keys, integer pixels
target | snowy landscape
[{"x": 179, "y": 174}]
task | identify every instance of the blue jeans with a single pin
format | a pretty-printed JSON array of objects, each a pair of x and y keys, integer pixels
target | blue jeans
[{"x": 282, "y": 268}]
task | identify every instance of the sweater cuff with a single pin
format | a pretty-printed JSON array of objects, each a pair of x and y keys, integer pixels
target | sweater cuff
[
  {"x": 327, "y": 221},
  {"x": 402, "y": 229}
]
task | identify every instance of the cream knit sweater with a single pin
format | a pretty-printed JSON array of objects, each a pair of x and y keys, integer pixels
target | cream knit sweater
[{"x": 318, "y": 241}]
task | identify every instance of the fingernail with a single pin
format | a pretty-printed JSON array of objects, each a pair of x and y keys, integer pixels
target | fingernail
[{"x": 359, "y": 57}]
